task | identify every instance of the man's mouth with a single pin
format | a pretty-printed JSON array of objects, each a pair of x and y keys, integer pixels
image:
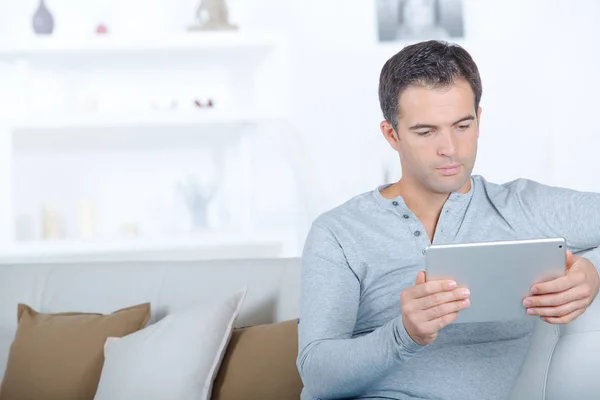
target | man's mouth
[{"x": 449, "y": 170}]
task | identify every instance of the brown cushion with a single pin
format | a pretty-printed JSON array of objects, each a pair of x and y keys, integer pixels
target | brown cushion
[
  {"x": 60, "y": 356},
  {"x": 260, "y": 363}
]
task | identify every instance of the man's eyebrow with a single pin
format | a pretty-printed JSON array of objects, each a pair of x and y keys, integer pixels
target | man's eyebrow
[
  {"x": 463, "y": 119},
  {"x": 423, "y": 126}
]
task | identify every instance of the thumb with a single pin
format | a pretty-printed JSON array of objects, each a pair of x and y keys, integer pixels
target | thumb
[
  {"x": 420, "y": 278},
  {"x": 570, "y": 259}
]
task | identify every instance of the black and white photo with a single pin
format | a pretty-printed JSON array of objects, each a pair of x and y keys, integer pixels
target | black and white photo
[{"x": 419, "y": 19}]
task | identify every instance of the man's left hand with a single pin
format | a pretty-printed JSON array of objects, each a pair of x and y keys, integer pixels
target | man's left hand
[{"x": 562, "y": 300}]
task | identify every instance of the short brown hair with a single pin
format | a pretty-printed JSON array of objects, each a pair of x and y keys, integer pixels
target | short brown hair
[{"x": 431, "y": 63}]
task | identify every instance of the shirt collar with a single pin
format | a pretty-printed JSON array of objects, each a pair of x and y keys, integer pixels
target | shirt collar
[{"x": 458, "y": 200}]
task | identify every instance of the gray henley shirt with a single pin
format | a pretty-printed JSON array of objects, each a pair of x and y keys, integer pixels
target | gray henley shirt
[{"x": 360, "y": 256}]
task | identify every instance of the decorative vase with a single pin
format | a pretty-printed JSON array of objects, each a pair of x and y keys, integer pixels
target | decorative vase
[{"x": 43, "y": 22}]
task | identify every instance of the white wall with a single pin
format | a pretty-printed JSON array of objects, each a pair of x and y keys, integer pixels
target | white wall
[
  {"x": 538, "y": 64},
  {"x": 539, "y": 68}
]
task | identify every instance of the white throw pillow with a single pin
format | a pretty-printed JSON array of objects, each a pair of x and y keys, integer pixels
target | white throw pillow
[{"x": 176, "y": 358}]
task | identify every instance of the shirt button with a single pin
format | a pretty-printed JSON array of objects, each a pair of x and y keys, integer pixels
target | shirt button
[
  {"x": 423, "y": 251},
  {"x": 405, "y": 216},
  {"x": 417, "y": 233},
  {"x": 395, "y": 202}
]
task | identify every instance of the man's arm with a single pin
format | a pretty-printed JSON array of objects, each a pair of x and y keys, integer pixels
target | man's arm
[
  {"x": 574, "y": 215},
  {"x": 331, "y": 363}
]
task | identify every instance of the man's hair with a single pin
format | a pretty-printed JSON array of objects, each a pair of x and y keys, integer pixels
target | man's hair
[{"x": 433, "y": 64}]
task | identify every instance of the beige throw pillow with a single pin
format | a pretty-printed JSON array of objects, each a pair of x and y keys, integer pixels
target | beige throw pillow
[
  {"x": 260, "y": 364},
  {"x": 60, "y": 356}
]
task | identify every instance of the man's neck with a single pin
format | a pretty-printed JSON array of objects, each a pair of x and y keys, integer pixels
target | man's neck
[{"x": 426, "y": 205}]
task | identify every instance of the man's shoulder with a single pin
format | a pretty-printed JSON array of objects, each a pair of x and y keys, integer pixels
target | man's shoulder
[
  {"x": 360, "y": 206},
  {"x": 521, "y": 193},
  {"x": 515, "y": 187}
]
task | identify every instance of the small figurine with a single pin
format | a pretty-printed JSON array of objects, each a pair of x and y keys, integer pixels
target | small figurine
[
  {"x": 198, "y": 198},
  {"x": 101, "y": 29},
  {"x": 208, "y": 104},
  {"x": 213, "y": 16}
]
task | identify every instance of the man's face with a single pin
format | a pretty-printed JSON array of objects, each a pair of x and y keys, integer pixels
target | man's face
[{"x": 438, "y": 131}]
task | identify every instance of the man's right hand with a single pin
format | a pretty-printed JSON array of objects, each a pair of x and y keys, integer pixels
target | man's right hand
[{"x": 427, "y": 307}]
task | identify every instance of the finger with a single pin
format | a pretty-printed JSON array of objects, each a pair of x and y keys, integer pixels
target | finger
[
  {"x": 435, "y": 325},
  {"x": 557, "y": 285},
  {"x": 431, "y": 287},
  {"x": 435, "y": 299},
  {"x": 565, "y": 319},
  {"x": 555, "y": 299},
  {"x": 447, "y": 308},
  {"x": 559, "y": 311},
  {"x": 421, "y": 278}
]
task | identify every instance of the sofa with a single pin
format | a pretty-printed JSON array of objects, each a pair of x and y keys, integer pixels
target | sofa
[{"x": 563, "y": 362}]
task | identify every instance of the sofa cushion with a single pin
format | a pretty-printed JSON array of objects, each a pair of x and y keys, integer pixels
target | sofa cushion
[
  {"x": 60, "y": 356},
  {"x": 260, "y": 363},
  {"x": 6, "y": 338}
]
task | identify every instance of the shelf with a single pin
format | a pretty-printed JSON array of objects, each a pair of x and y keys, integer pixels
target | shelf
[
  {"x": 202, "y": 246},
  {"x": 191, "y": 43},
  {"x": 97, "y": 131},
  {"x": 164, "y": 119}
]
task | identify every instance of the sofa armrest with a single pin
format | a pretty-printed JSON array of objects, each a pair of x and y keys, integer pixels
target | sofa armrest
[
  {"x": 573, "y": 372},
  {"x": 531, "y": 383}
]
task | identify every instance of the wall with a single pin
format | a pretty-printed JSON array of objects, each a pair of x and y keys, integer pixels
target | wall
[
  {"x": 536, "y": 58},
  {"x": 538, "y": 68}
]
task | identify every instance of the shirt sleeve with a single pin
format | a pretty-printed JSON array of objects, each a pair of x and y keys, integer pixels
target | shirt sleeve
[
  {"x": 331, "y": 362},
  {"x": 571, "y": 214}
]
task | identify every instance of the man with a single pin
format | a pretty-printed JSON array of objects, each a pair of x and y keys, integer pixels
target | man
[{"x": 370, "y": 325}]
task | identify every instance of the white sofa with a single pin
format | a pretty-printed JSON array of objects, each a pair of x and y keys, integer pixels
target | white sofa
[{"x": 562, "y": 364}]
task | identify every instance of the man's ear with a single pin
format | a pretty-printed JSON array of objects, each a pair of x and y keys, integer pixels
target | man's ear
[
  {"x": 390, "y": 134},
  {"x": 478, "y": 120}
]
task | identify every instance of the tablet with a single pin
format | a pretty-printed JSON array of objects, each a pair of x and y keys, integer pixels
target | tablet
[{"x": 498, "y": 274}]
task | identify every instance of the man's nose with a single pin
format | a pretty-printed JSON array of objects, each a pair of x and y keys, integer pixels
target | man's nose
[{"x": 446, "y": 144}]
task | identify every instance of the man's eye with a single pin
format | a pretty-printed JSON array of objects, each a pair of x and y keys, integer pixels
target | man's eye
[
  {"x": 463, "y": 127},
  {"x": 425, "y": 133}
]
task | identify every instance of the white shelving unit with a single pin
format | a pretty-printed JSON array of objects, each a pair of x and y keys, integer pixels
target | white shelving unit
[
  {"x": 256, "y": 67},
  {"x": 202, "y": 43},
  {"x": 96, "y": 131},
  {"x": 146, "y": 120},
  {"x": 209, "y": 245}
]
